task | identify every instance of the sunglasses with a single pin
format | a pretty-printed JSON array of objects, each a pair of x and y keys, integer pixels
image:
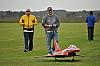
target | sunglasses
[
  {"x": 49, "y": 10},
  {"x": 27, "y": 11}
]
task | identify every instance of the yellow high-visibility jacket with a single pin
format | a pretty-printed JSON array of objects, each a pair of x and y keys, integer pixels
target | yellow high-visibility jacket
[{"x": 28, "y": 21}]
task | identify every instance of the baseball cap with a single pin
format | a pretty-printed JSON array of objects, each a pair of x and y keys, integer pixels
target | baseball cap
[
  {"x": 27, "y": 10},
  {"x": 49, "y": 9}
]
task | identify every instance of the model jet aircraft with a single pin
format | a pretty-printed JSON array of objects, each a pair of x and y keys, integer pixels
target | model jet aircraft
[{"x": 67, "y": 52}]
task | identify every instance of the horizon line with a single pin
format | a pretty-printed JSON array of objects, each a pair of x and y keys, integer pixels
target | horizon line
[{"x": 53, "y": 10}]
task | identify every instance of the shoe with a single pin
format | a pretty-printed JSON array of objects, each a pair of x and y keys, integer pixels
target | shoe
[
  {"x": 25, "y": 50},
  {"x": 89, "y": 40},
  {"x": 30, "y": 51},
  {"x": 49, "y": 54},
  {"x": 92, "y": 39}
]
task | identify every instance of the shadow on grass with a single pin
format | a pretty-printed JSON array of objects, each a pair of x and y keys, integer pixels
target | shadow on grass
[
  {"x": 61, "y": 60},
  {"x": 57, "y": 60}
]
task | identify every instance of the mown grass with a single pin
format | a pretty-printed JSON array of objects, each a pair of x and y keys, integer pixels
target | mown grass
[{"x": 12, "y": 45}]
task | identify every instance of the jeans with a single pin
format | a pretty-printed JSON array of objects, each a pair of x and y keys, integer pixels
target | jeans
[
  {"x": 49, "y": 37},
  {"x": 28, "y": 40},
  {"x": 90, "y": 33}
]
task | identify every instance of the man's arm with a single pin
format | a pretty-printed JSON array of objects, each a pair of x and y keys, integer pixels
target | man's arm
[
  {"x": 35, "y": 21},
  {"x": 21, "y": 21},
  {"x": 58, "y": 21},
  {"x": 86, "y": 19},
  {"x": 44, "y": 22}
]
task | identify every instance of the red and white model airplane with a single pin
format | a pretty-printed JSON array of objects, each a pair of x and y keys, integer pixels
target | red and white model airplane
[{"x": 67, "y": 52}]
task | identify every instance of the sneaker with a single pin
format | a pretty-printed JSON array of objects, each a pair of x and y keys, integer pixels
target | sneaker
[
  {"x": 25, "y": 50},
  {"x": 30, "y": 51},
  {"x": 92, "y": 39},
  {"x": 49, "y": 54},
  {"x": 89, "y": 40}
]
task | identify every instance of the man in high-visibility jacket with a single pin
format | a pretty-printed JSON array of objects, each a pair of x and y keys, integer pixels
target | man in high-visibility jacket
[{"x": 28, "y": 21}]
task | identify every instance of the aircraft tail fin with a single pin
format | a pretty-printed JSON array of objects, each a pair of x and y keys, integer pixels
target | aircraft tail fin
[{"x": 56, "y": 46}]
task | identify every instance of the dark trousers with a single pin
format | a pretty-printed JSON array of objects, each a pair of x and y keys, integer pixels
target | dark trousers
[
  {"x": 28, "y": 39},
  {"x": 90, "y": 33}
]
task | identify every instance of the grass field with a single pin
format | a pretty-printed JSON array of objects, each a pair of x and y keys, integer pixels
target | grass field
[{"x": 11, "y": 46}]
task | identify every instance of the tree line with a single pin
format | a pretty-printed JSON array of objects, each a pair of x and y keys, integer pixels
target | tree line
[{"x": 65, "y": 16}]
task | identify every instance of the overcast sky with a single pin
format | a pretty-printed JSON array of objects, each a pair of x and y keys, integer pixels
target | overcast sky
[{"x": 41, "y": 5}]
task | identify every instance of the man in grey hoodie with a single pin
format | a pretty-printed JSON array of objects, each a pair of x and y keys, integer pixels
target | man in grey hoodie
[{"x": 51, "y": 22}]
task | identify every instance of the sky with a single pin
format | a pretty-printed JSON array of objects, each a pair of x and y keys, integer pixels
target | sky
[{"x": 41, "y": 5}]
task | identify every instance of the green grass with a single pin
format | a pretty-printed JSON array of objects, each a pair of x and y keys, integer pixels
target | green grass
[{"x": 12, "y": 45}]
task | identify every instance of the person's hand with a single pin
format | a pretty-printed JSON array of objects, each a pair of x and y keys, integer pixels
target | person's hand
[
  {"x": 50, "y": 25},
  {"x": 54, "y": 25},
  {"x": 22, "y": 24},
  {"x": 35, "y": 23},
  {"x": 46, "y": 25}
]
